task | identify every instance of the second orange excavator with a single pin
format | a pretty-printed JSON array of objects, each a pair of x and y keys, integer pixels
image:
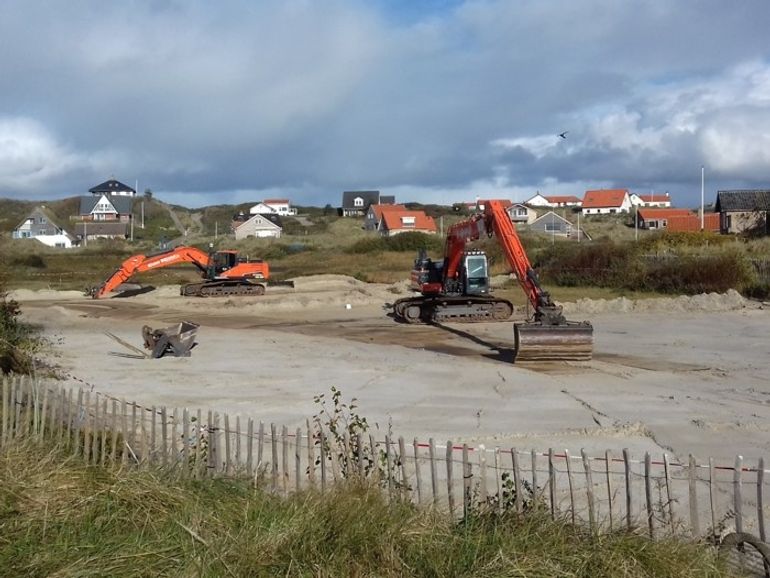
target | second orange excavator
[
  {"x": 457, "y": 289},
  {"x": 224, "y": 272}
]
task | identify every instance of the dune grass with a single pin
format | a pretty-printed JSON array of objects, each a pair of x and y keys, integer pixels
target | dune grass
[{"x": 60, "y": 517}]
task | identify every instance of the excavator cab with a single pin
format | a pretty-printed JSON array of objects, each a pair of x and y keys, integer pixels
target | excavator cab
[
  {"x": 224, "y": 260},
  {"x": 475, "y": 272}
]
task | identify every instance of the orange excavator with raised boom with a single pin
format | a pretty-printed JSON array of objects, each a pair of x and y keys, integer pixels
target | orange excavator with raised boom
[
  {"x": 458, "y": 289},
  {"x": 224, "y": 272}
]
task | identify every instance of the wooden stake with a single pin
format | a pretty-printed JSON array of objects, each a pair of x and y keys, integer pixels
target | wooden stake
[
  {"x": 237, "y": 443},
  {"x": 518, "y": 501},
  {"x": 164, "y": 435},
  {"x": 738, "y": 493},
  {"x": 402, "y": 463},
  {"x": 450, "y": 492},
  {"x": 153, "y": 435},
  {"x": 713, "y": 495},
  {"x": 114, "y": 433},
  {"x": 669, "y": 498},
  {"x": 274, "y": 446},
  {"x": 185, "y": 443},
  {"x": 285, "y": 459},
  {"x": 552, "y": 483},
  {"x": 589, "y": 490},
  {"x": 310, "y": 454},
  {"x": 250, "y": 449},
  {"x": 323, "y": 458},
  {"x": 648, "y": 493},
  {"x": 417, "y": 473},
  {"x": 483, "y": 490},
  {"x": 228, "y": 455},
  {"x": 694, "y": 519},
  {"x": 433, "y": 470},
  {"x": 629, "y": 505},
  {"x": 568, "y": 461},
  {"x": 608, "y": 471},
  {"x": 298, "y": 459}
]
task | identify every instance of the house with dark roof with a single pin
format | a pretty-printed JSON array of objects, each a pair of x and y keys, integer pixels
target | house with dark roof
[
  {"x": 743, "y": 211},
  {"x": 557, "y": 226},
  {"x": 112, "y": 187},
  {"x": 40, "y": 224},
  {"x": 356, "y": 203},
  {"x": 90, "y": 230},
  {"x": 106, "y": 207},
  {"x": 606, "y": 202}
]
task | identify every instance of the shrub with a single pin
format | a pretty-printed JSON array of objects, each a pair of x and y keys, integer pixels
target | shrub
[{"x": 34, "y": 261}]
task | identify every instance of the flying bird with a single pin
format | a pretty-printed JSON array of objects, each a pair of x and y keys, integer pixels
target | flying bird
[{"x": 563, "y": 134}]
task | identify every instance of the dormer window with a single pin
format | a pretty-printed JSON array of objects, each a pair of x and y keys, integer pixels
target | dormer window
[
  {"x": 358, "y": 202},
  {"x": 407, "y": 221}
]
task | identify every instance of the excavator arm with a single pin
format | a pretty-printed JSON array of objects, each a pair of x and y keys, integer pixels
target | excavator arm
[
  {"x": 141, "y": 263},
  {"x": 548, "y": 335}
]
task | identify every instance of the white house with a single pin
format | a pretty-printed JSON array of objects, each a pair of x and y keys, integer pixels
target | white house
[
  {"x": 538, "y": 201},
  {"x": 519, "y": 213},
  {"x": 273, "y": 206},
  {"x": 39, "y": 225},
  {"x": 606, "y": 202},
  {"x": 554, "y": 201},
  {"x": 652, "y": 200},
  {"x": 258, "y": 226}
]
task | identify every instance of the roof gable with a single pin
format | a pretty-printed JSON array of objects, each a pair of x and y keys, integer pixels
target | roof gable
[
  {"x": 110, "y": 187},
  {"x": 369, "y": 198},
  {"x": 604, "y": 198},
  {"x": 551, "y": 217},
  {"x": 267, "y": 221},
  {"x": 378, "y": 210},
  {"x": 392, "y": 220}
]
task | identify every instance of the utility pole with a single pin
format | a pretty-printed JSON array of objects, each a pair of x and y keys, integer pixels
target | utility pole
[
  {"x": 578, "y": 215},
  {"x": 85, "y": 233},
  {"x": 132, "y": 227},
  {"x": 142, "y": 214},
  {"x": 216, "y": 229}
]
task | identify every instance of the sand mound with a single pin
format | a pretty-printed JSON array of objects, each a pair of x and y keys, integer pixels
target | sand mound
[
  {"x": 728, "y": 301},
  {"x": 43, "y": 294}
]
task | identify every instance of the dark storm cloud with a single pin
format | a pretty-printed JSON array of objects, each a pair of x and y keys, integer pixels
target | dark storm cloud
[{"x": 306, "y": 99}]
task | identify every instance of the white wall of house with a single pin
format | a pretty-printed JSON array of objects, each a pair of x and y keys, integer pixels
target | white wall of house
[
  {"x": 538, "y": 201},
  {"x": 60, "y": 241},
  {"x": 625, "y": 207},
  {"x": 257, "y": 226},
  {"x": 104, "y": 210},
  {"x": 521, "y": 214}
]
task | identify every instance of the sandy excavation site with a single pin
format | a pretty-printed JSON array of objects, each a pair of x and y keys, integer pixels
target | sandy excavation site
[{"x": 680, "y": 375}]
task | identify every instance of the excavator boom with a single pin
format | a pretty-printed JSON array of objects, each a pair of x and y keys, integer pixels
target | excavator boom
[{"x": 223, "y": 272}]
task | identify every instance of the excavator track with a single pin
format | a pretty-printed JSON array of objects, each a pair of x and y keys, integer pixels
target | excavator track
[
  {"x": 571, "y": 341},
  {"x": 222, "y": 289},
  {"x": 460, "y": 309}
]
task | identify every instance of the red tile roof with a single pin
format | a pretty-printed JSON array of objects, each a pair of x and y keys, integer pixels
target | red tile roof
[
  {"x": 604, "y": 198},
  {"x": 422, "y": 222},
  {"x": 380, "y": 209},
  {"x": 562, "y": 199},
  {"x": 648, "y": 213},
  {"x": 692, "y": 223}
]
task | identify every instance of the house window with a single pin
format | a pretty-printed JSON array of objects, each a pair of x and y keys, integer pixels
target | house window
[
  {"x": 358, "y": 202},
  {"x": 552, "y": 227},
  {"x": 42, "y": 221},
  {"x": 407, "y": 222},
  {"x": 613, "y": 211}
]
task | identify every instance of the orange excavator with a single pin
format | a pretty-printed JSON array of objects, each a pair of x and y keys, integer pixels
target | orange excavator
[
  {"x": 458, "y": 289},
  {"x": 224, "y": 272}
]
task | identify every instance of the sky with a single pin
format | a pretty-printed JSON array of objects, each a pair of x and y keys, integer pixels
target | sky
[{"x": 434, "y": 101}]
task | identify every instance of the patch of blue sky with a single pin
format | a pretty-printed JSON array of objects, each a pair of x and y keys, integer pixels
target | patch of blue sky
[{"x": 409, "y": 12}]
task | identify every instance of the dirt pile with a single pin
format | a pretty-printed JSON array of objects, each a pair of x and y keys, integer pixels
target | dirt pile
[{"x": 729, "y": 301}]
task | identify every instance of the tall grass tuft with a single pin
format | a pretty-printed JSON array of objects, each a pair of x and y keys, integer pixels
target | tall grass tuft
[{"x": 60, "y": 517}]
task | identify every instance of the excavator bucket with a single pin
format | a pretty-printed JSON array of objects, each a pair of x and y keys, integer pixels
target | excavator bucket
[
  {"x": 176, "y": 340},
  {"x": 534, "y": 341}
]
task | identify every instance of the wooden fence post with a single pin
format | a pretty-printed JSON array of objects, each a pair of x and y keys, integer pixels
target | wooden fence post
[
  {"x": 552, "y": 483},
  {"x": 713, "y": 495},
  {"x": 417, "y": 474},
  {"x": 568, "y": 461},
  {"x": 285, "y": 459},
  {"x": 467, "y": 483},
  {"x": 669, "y": 499},
  {"x": 450, "y": 491},
  {"x": 738, "y": 493},
  {"x": 298, "y": 458},
  {"x": 322, "y": 448},
  {"x": 260, "y": 444},
  {"x": 761, "y": 499},
  {"x": 124, "y": 426},
  {"x": 228, "y": 455},
  {"x": 589, "y": 490},
  {"x": 186, "y": 443},
  {"x": 310, "y": 454},
  {"x": 517, "y": 498},
  {"x": 274, "y": 454},
  {"x": 250, "y": 449},
  {"x": 648, "y": 493},
  {"x": 535, "y": 500},
  {"x": 629, "y": 488},
  {"x": 6, "y": 395},
  {"x": 164, "y": 435},
  {"x": 433, "y": 470},
  {"x": 483, "y": 491},
  {"x": 694, "y": 518},
  {"x": 389, "y": 465},
  {"x": 402, "y": 464},
  {"x": 237, "y": 465},
  {"x": 608, "y": 472}
]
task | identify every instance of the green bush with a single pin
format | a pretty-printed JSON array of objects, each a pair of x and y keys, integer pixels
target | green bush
[
  {"x": 412, "y": 242},
  {"x": 34, "y": 261}
]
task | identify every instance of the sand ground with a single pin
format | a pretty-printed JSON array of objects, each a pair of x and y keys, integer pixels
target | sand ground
[{"x": 687, "y": 375}]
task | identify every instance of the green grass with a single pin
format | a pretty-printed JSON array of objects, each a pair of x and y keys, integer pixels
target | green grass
[{"x": 60, "y": 517}]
